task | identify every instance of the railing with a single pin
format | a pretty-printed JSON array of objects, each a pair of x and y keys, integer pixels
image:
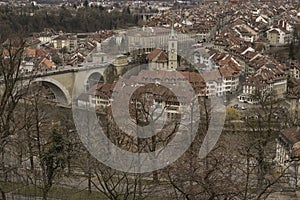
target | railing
[{"x": 60, "y": 71}]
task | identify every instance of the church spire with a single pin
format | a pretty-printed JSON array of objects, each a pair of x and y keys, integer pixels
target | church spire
[
  {"x": 172, "y": 27},
  {"x": 172, "y": 49}
]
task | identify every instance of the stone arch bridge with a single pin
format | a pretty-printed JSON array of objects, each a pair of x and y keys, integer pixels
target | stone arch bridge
[{"x": 63, "y": 81}]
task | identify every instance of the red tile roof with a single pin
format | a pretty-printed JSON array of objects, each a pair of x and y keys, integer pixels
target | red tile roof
[
  {"x": 267, "y": 74},
  {"x": 158, "y": 55},
  {"x": 227, "y": 71}
]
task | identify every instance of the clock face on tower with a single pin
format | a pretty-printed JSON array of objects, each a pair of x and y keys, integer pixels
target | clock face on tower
[{"x": 172, "y": 50}]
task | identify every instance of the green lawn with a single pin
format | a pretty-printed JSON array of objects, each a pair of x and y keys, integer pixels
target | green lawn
[{"x": 55, "y": 192}]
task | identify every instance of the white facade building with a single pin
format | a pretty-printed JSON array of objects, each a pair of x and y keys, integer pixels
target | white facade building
[{"x": 288, "y": 155}]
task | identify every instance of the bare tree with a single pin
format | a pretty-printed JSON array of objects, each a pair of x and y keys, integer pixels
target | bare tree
[
  {"x": 42, "y": 141},
  {"x": 12, "y": 90},
  {"x": 256, "y": 146},
  {"x": 241, "y": 164},
  {"x": 120, "y": 185}
]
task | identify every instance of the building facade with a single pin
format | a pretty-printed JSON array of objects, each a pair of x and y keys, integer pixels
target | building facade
[
  {"x": 288, "y": 154},
  {"x": 271, "y": 78}
]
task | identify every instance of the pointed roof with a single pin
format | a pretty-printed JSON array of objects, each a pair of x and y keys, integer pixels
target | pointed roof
[
  {"x": 172, "y": 27},
  {"x": 172, "y": 33},
  {"x": 157, "y": 55}
]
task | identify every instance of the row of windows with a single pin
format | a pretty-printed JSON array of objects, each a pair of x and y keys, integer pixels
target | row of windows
[{"x": 173, "y": 116}]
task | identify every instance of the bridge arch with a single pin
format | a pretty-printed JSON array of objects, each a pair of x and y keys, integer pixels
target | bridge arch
[
  {"x": 93, "y": 77},
  {"x": 62, "y": 95}
]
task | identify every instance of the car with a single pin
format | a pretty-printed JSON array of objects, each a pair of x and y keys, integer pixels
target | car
[
  {"x": 236, "y": 106},
  {"x": 288, "y": 190},
  {"x": 252, "y": 116},
  {"x": 243, "y": 107}
]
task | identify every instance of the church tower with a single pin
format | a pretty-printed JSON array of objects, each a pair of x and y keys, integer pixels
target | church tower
[{"x": 172, "y": 49}]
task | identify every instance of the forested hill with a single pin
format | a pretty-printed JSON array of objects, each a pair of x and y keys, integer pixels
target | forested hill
[{"x": 26, "y": 20}]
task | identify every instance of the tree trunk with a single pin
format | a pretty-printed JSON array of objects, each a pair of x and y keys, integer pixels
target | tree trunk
[
  {"x": 45, "y": 192},
  {"x": 90, "y": 181},
  {"x": 3, "y": 196},
  {"x": 155, "y": 174}
]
